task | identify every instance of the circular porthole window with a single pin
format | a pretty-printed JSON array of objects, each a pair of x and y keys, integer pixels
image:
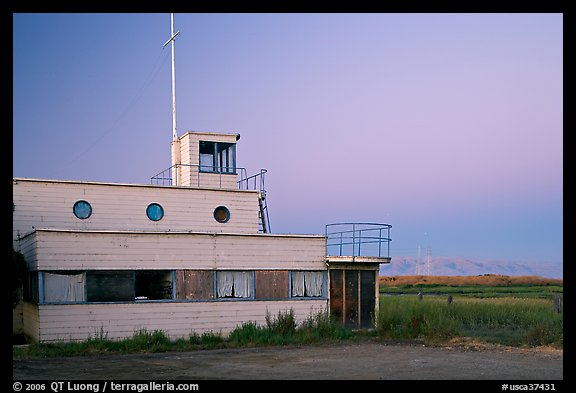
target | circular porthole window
[
  {"x": 155, "y": 212},
  {"x": 222, "y": 214},
  {"x": 82, "y": 210}
]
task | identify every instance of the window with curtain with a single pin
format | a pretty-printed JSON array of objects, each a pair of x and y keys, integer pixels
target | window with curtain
[
  {"x": 234, "y": 284},
  {"x": 307, "y": 283},
  {"x": 62, "y": 288}
]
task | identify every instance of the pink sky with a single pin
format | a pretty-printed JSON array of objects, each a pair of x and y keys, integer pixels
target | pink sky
[{"x": 447, "y": 126}]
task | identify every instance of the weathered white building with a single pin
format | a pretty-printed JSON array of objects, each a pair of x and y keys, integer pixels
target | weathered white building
[{"x": 190, "y": 253}]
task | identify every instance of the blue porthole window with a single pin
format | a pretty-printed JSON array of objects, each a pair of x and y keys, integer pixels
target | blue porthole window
[
  {"x": 222, "y": 214},
  {"x": 155, "y": 212},
  {"x": 82, "y": 209}
]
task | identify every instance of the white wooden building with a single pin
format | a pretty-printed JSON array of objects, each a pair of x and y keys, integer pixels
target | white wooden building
[{"x": 190, "y": 253}]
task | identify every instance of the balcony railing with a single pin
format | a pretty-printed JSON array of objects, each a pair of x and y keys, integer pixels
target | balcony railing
[
  {"x": 358, "y": 239},
  {"x": 194, "y": 173}
]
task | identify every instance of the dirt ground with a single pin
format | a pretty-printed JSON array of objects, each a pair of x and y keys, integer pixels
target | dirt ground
[{"x": 373, "y": 360}]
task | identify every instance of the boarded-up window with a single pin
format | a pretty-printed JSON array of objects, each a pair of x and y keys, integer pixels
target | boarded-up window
[
  {"x": 234, "y": 284},
  {"x": 351, "y": 299},
  {"x": 110, "y": 286},
  {"x": 194, "y": 285},
  {"x": 367, "y": 298},
  {"x": 153, "y": 284},
  {"x": 307, "y": 283},
  {"x": 337, "y": 294},
  {"x": 271, "y": 284},
  {"x": 63, "y": 287}
]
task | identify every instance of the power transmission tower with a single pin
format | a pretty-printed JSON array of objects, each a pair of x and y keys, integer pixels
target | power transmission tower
[{"x": 428, "y": 256}]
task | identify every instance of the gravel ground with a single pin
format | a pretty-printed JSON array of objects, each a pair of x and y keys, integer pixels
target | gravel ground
[{"x": 372, "y": 360}]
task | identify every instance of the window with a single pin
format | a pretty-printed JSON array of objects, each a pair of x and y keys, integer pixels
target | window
[
  {"x": 63, "y": 287},
  {"x": 222, "y": 214},
  {"x": 155, "y": 212},
  {"x": 110, "y": 286},
  {"x": 153, "y": 285},
  {"x": 217, "y": 157},
  {"x": 82, "y": 209},
  {"x": 123, "y": 285},
  {"x": 271, "y": 284},
  {"x": 307, "y": 284},
  {"x": 234, "y": 284},
  {"x": 30, "y": 285}
]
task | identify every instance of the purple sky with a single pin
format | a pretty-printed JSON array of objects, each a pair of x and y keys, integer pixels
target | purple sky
[{"x": 449, "y": 127}]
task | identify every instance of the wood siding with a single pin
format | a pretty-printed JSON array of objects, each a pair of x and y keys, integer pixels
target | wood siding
[
  {"x": 17, "y": 321},
  {"x": 28, "y": 248},
  {"x": 31, "y": 320},
  {"x": 48, "y": 204},
  {"x": 177, "y": 320},
  {"x": 218, "y": 180},
  {"x": 71, "y": 250}
]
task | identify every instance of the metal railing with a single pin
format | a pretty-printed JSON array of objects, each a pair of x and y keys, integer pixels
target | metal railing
[
  {"x": 358, "y": 239},
  {"x": 254, "y": 182}
]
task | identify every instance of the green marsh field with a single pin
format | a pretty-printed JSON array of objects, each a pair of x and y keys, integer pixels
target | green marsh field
[{"x": 494, "y": 309}]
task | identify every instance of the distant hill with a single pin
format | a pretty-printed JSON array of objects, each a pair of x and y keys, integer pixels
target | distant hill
[
  {"x": 486, "y": 279},
  {"x": 454, "y": 266}
]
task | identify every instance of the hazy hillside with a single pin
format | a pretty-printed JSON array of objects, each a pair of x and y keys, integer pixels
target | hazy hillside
[
  {"x": 489, "y": 279},
  {"x": 454, "y": 266}
]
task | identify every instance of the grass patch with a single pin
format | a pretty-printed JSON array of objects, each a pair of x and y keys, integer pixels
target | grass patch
[
  {"x": 280, "y": 329},
  {"x": 508, "y": 321}
]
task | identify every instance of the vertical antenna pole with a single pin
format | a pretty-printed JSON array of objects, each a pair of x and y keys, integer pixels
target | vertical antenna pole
[
  {"x": 172, "y": 40},
  {"x": 174, "y": 135}
]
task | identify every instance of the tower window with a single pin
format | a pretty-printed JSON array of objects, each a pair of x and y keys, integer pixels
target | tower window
[{"x": 217, "y": 157}]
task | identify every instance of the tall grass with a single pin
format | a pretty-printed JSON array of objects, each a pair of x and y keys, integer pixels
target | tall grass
[
  {"x": 282, "y": 329},
  {"x": 508, "y": 321}
]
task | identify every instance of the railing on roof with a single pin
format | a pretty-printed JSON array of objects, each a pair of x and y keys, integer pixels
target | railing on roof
[
  {"x": 358, "y": 239},
  {"x": 245, "y": 182},
  {"x": 254, "y": 182}
]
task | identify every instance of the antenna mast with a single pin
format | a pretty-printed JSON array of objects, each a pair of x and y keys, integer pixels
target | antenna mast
[{"x": 172, "y": 39}]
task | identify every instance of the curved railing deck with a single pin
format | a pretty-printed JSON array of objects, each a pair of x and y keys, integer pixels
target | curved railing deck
[{"x": 358, "y": 240}]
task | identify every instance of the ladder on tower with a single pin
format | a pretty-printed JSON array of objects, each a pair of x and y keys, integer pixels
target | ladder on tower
[{"x": 263, "y": 219}]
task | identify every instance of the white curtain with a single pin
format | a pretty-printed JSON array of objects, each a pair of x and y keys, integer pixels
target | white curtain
[
  {"x": 60, "y": 288},
  {"x": 242, "y": 284},
  {"x": 234, "y": 284},
  {"x": 306, "y": 284},
  {"x": 225, "y": 283},
  {"x": 297, "y": 284},
  {"x": 313, "y": 283}
]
